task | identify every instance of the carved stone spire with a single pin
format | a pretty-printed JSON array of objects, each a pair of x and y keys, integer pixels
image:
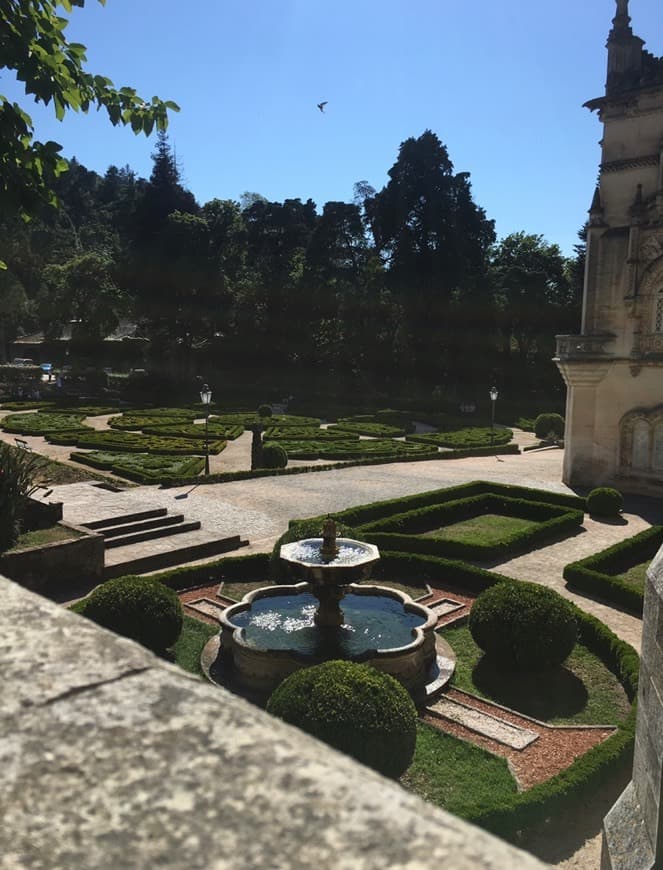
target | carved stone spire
[
  {"x": 622, "y": 20},
  {"x": 596, "y": 210},
  {"x": 624, "y": 52}
]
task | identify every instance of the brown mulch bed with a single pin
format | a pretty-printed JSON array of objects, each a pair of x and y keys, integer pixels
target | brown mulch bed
[{"x": 556, "y": 748}]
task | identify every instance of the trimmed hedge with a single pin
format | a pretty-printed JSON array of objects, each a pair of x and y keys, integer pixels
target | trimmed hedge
[
  {"x": 253, "y": 567},
  {"x": 142, "y": 467},
  {"x": 194, "y": 430},
  {"x": 132, "y": 442},
  {"x": 355, "y": 449},
  {"x": 273, "y": 455},
  {"x": 547, "y": 423},
  {"x": 605, "y": 502},
  {"x": 368, "y": 513},
  {"x": 354, "y": 708},
  {"x": 589, "y": 773},
  {"x": 140, "y": 608},
  {"x": 474, "y": 436},
  {"x": 26, "y": 405},
  {"x": 523, "y": 628},
  {"x": 85, "y": 410},
  {"x": 402, "y": 531},
  {"x": 140, "y": 420},
  {"x": 42, "y": 423},
  {"x": 595, "y": 574},
  {"x": 373, "y": 430},
  {"x": 246, "y": 419},
  {"x": 291, "y": 433}
]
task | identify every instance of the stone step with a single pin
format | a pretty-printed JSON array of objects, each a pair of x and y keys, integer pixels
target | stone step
[
  {"x": 483, "y": 723},
  {"x": 119, "y": 519},
  {"x": 140, "y": 559},
  {"x": 141, "y": 525},
  {"x": 152, "y": 534}
]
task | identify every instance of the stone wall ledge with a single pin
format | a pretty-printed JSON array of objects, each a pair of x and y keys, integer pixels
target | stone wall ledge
[{"x": 110, "y": 757}]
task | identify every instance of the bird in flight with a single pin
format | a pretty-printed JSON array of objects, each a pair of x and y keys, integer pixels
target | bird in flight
[{"x": 322, "y": 105}]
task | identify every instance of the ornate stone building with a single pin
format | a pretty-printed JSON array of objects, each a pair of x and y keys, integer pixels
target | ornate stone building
[{"x": 614, "y": 369}]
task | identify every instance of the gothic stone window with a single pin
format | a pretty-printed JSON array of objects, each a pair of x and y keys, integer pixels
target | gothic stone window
[{"x": 658, "y": 312}]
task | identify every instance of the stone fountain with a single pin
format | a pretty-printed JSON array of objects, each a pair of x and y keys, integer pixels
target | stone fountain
[{"x": 277, "y": 630}]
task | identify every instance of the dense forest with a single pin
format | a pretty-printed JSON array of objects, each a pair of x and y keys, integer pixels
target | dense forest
[{"x": 405, "y": 287}]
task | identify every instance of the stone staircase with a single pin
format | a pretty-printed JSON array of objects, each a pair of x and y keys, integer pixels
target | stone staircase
[{"x": 152, "y": 539}]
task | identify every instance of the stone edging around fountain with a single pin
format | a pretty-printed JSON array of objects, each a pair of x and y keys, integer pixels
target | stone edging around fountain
[{"x": 433, "y": 653}]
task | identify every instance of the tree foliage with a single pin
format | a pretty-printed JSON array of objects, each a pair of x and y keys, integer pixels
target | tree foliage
[{"x": 34, "y": 46}]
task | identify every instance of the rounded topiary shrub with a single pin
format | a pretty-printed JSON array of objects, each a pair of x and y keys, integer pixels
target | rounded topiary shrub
[
  {"x": 523, "y": 626},
  {"x": 137, "y": 607},
  {"x": 605, "y": 502},
  {"x": 273, "y": 455},
  {"x": 264, "y": 410},
  {"x": 361, "y": 711},
  {"x": 549, "y": 424}
]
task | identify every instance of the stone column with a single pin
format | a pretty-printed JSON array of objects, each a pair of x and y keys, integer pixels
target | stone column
[
  {"x": 633, "y": 829},
  {"x": 580, "y": 454}
]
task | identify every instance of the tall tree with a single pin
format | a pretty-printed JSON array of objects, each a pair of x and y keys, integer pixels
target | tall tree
[
  {"x": 532, "y": 297},
  {"x": 434, "y": 239}
]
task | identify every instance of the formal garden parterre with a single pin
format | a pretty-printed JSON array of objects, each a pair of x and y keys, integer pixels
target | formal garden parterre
[{"x": 580, "y": 712}]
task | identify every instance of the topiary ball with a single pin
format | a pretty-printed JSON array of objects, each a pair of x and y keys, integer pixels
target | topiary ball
[
  {"x": 523, "y": 626},
  {"x": 354, "y": 708},
  {"x": 547, "y": 424},
  {"x": 139, "y": 608},
  {"x": 264, "y": 410},
  {"x": 273, "y": 455},
  {"x": 605, "y": 502}
]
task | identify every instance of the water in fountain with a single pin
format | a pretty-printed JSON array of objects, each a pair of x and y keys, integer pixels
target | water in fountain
[{"x": 370, "y": 622}]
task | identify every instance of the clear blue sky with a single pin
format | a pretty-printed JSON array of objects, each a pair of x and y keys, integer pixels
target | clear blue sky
[{"x": 501, "y": 82}]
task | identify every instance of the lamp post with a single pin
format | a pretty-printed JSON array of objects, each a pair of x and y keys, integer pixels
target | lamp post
[
  {"x": 206, "y": 398},
  {"x": 493, "y": 398}
]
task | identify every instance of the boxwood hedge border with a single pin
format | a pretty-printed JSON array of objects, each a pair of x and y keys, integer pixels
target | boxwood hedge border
[
  {"x": 230, "y": 476},
  {"x": 401, "y": 531},
  {"x": 589, "y": 773},
  {"x": 589, "y": 574}
]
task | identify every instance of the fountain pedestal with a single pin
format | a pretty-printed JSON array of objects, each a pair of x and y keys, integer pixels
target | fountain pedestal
[{"x": 329, "y": 613}]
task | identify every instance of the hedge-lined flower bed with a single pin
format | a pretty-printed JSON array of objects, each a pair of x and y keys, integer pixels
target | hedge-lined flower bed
[
  {"x": 369, "y": 513},
  {"x": 140, "y": 420},
  {"x": 26, "y": 405},
  {"x": 195, "y": 430},
  {"x": 85, "y": 410},
  {"x": 403, "y": 532},
  {"x": 354, "y": 449},
  {"x": 470, "y": 437},
  {"x": 291, "y": 433},
  {"x": 596, "y": 574},
  {"x": 133, "y": 442},
  {"x": 373, "y": 430},
  {"x": 589, "y": 773},
  {"x": 43, "y": 424},
  {"x": 246, "y": 419},
  {"x": 142, "y": 467}
]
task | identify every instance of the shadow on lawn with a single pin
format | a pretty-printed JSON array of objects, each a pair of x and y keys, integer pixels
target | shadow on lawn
[{"x": 552, "y": 694}]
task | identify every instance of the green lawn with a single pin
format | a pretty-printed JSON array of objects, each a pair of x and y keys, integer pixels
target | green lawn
[
  {"x": 456, "y": 775},
  {"x": 636, "y": 576},
  {"x": 44, "y": 536},
  {"x": 583, "y": 692},
  {"x": 487, "y": 529},
  {"x": 189, "y": 646}
]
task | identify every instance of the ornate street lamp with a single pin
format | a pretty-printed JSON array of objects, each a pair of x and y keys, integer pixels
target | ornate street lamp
[
  {"x": 206, "y": 398},
  {"x": 493, "y": 398}
]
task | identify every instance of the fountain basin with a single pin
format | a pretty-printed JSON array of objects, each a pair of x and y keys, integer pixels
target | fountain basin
[
  {"x": 272, "y": 633},
  {"x": 353, "y": 562}
]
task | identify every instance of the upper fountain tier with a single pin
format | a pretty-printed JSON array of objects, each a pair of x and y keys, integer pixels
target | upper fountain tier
[{"x": 352, "y": 561}]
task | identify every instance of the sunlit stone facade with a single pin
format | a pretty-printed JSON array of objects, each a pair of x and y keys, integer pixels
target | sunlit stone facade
[{"x": 614, "y": 368}]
